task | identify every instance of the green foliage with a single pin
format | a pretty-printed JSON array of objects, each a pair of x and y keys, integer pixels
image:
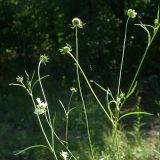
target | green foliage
[
  {"x": 30, "y": 28},
  {"x": 114, "y": 103},
  {"x": 38, "y": 26}
]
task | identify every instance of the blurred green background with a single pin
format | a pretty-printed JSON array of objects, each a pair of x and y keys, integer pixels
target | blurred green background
[{"x": 29, "y": 28}]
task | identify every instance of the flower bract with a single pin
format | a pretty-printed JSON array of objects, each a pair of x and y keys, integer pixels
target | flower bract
[
  {"x": 65, "y": 49},
  {"x": 77, "y": 23},
  {"x": 19, "y": 79},
  {"x": 44, "y": 59}
]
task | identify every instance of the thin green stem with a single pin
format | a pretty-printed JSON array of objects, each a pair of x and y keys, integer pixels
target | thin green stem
[
  {"x": 138, "y": 69},
  {"x": 115, "y": 141},
  {"x": 50, "y": 125},
  {"x": 39, "y": 78},
  {"x": 92, "y": 91},
  {"x": 81, "y": 95},
  {"x": 53, "y": 139},
  {"x": 115, "y": 138},
  {"x": 142, "y": 60},
  {"x": 53, "y": 146},
  {"x": 48, "y": 118},
  {"x": 121, "y": 67},
  {"x": 43, "y": 131},
  {"x": 67, "y": 118},
  {"x": 70, "y": 99},
  {"x": 65, "y": 146},
  {"x": 66, "y": 130}
]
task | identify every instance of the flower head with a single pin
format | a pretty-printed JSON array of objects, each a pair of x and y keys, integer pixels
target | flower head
[
  {"x": 38, "y": 100},
  {"x": 77, "y": 23},
  {"x": 44, "y": 59},
  {"x": 41, "y": 107},
  {"x": 19, "y": 79},
  {"x": 65, "y": 49},
  {"x": 131, "y": 13},
  {"x": 73, "y": 90},
  {"x": 64, "y": 155}
]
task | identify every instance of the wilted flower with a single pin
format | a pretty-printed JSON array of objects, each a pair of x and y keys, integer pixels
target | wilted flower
[
  {"x": 44, "y": 59},
  {"x": 64, "y": 155},
  {"x": 19, "y": 79},
  {"x": 65, "y": 49},
  {"x": 77, "y": 23},
  {"x": 41, "y": 108},
  {"x": 131, "y": 13},
  {"x": 73, "y": 90}
]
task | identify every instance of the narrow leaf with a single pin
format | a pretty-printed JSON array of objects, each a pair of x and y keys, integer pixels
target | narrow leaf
[
  {"x": 144, "y": 26},
  {"x": 134, "y": 113},
  {"x": 109, "y": 108},
  {"x": 15, "y": 84},
  {"x": 132, "y": 90},
  {"x": 70, "y": 110},
  {"x": 28, "y": 148},
  {"x": 27, "y": 77},
  {"x": 38, "y": 81},
  {"x": 148, "y": 33},
  {"x": 158, "y": 13},
  {"x": 63, "y": 107},
  {"x": 53, "y": 123},
  {"x": 102, "y": 88},
  {"x": 32, "y": 76}
]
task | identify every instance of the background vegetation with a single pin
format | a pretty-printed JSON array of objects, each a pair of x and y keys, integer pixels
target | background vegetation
[{"x": 29, "y": 28}]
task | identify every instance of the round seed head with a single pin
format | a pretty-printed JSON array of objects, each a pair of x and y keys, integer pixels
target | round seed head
[
  {"x": 77, "y": 23},
  {"x": 131, "y": 13},
  {"x": 65, "y": 49},
  {"x": 44, "y": 59}
]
